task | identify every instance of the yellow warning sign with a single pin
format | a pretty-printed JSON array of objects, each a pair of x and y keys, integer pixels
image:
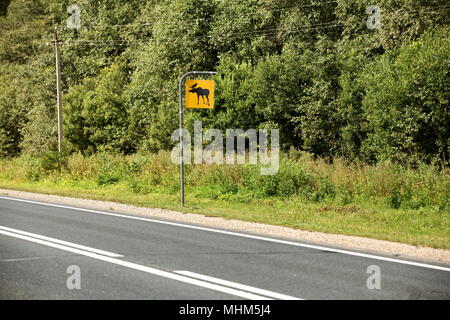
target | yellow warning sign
[{"x": 200, "y": 94}]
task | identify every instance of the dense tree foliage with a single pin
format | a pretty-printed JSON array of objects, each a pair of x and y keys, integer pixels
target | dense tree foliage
[{"x": 314, "y": 69}]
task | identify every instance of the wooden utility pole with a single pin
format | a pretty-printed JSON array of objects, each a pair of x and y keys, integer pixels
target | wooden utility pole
[{"x": 58, "y": 90}]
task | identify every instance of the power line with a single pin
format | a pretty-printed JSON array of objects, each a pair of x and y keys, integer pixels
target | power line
[
  {"x": 426, "y": 9},
  {"x": 259, "y": 33},
  {"x": 242, "y": 35},
  {"x": 275, "y": 9},
  {"x": 233, "y": 33},
  {"x": 272, "y": 9}
]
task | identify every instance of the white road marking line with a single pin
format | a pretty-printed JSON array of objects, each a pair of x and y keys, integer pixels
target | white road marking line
[
  {"x": 242, "y": 235},
  {"x": 139, "y": 267},
  {"x": 236, "y": 285},
  {"x": 66, "y": 243},
  {"x": 27, "y": 259}
]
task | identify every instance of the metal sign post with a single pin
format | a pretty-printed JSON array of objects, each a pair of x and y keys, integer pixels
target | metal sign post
[{"x": 183, "y": 79}]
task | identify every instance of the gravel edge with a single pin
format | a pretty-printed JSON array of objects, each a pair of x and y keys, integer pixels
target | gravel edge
[{"x": 398, "y": 250}]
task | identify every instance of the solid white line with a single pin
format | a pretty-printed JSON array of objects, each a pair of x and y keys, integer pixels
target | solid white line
[
  {"x": 139, "y": 267},
  {"x": 66, "y": 243},
  {"x": 242, "y": 235},
  {"x": 239, "y": 286}
]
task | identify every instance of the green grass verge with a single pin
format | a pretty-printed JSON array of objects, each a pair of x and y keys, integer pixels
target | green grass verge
[{"x": 384, "y": 202}]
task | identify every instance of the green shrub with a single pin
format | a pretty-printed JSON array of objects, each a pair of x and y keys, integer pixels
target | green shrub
[
  {"x": 54, "y": 161},
  {"x": 291, "y": 179}
]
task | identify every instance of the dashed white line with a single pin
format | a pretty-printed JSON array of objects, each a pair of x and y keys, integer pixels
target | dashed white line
[
  {"x": 236, "y": 285},
  {"x": 55, "y": 243}
]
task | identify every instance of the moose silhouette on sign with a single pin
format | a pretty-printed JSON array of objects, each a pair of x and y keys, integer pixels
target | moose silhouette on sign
[{"x": 200, "y": 93}]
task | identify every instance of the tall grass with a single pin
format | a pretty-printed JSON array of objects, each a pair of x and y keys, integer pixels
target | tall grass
[{"x": 300, "y": 178}]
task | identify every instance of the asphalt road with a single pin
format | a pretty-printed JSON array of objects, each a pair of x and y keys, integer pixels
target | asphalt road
[{"x": 42, "y": 248}]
